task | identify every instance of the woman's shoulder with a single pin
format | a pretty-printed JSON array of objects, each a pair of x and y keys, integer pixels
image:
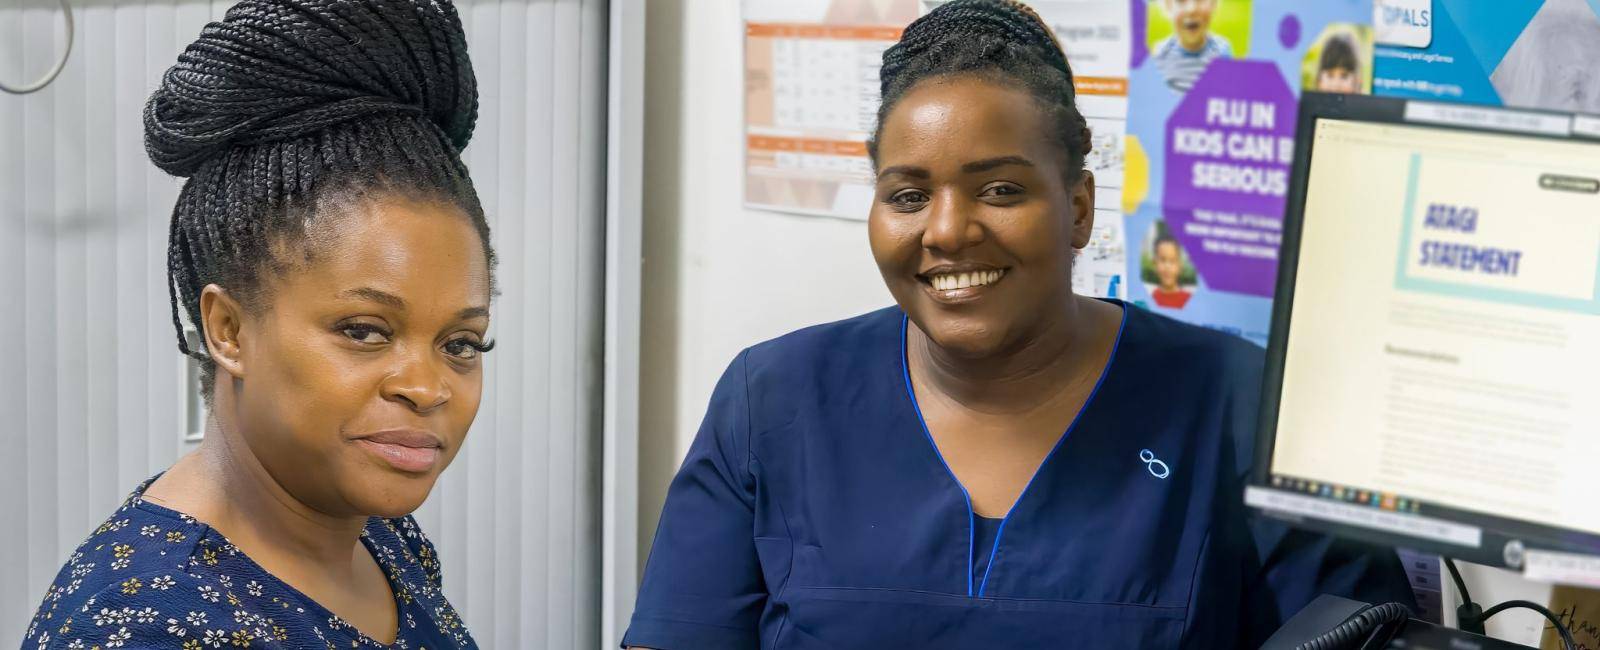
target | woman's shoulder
[
  {"x": 121, "y": 581},
  {"x": 829, "y": 346},
  {"x": 147, "y": 608},
  {"x": 1173, "y": 344},
  {"x": 769, "y": 382},
  {"x": 772, "y": 380},
  {"x": 1196, "y": 369},
  {"x": 858, "y": 330}
]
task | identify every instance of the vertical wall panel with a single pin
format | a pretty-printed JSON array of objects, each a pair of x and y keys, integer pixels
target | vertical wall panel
[
  {"x": 41, "y": 222},
  {"x": 94, "y": 397},
  {"x": 13, "y": 327}
]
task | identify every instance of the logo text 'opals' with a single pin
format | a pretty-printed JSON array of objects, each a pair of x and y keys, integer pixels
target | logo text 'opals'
[{"x": 1407, "y": 23}]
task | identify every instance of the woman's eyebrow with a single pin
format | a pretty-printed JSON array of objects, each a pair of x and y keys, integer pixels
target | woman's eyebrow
[
  {"x": 974, "y": 167},
  {"x": 399, "y": 304},
  {"x": 987, "y": 164},
  {"x": 375, "y": 295},
  {"x": 905, "y": 170}
]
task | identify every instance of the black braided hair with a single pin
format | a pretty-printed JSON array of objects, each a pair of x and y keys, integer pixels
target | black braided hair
[
  {"x": 999, "y": 40},
  {"x": 288, "y": 110}
]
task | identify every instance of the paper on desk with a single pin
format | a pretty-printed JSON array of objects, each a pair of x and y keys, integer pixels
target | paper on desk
[{"x": 1579, "y": 609}]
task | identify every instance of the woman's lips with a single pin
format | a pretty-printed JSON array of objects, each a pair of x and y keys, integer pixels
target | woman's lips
[
  {"x": 405, "y": 450},
  {"x": 958, "y": 286}
]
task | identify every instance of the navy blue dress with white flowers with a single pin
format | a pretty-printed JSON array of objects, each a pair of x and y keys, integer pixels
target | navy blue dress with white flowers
[{"x": 151, "y": 577}]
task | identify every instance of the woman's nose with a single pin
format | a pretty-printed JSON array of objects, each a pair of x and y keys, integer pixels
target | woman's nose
[
  {"x": 951, "y": 227},
  {"x": 419, "y": 382}
]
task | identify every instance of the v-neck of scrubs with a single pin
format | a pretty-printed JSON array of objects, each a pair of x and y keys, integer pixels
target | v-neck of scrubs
[{"x": 980, "y": 557}]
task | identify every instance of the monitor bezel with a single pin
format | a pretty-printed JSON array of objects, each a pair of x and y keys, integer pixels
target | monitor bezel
[{"x": 1503, "y": 540}]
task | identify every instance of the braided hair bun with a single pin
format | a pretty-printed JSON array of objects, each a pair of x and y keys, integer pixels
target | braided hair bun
[
  {"x": 288, "y": 111},
  {"x": 1000, "y": 40},
  {"x": 999, "y": 23},
  {"x": 281, "y": 70}
]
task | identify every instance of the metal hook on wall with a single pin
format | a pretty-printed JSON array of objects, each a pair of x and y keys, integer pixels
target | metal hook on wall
[{"x": 66, "y": 10}]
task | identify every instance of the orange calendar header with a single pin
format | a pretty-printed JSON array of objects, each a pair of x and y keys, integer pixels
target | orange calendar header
[
  {"x": 807, "y": 145},
  {"x": 1112, "y": 86},
  {"x": 823, "y": 32}
]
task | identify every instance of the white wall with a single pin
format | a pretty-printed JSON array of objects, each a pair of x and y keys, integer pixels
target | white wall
[{"x": 717, "y": 277}]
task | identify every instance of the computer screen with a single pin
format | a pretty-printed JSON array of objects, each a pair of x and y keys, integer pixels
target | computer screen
[{"x": 1432, "y": 376}]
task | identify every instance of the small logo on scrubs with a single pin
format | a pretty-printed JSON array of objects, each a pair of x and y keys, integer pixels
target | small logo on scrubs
[{"x": 1157, "y": 468}]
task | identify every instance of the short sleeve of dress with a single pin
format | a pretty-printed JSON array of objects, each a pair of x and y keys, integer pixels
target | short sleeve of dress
[
  {"x": 139, "y": 612},
  {"x": 703, "y": 587}
]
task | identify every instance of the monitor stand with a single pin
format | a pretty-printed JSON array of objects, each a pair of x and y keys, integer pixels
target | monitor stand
[{"x": 1327, "y": 612}]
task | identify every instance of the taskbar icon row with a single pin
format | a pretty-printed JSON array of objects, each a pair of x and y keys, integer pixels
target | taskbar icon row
[{"x": 1348, "y": 494}]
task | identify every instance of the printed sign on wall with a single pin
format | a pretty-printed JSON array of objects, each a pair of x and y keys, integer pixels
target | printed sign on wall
[
  {"x": 1521, "y": 53},
  {"x": 811, "y": 100},
  {"x": 1216, "y": 85}
]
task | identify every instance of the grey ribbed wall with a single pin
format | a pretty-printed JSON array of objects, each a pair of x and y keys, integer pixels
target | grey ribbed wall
[{"x": 93, "y": 391}]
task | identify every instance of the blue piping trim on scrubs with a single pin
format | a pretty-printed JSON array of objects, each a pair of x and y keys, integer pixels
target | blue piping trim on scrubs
[
  {"x": 1000, "y": 532},
  {"x": 905, "y": 369}
]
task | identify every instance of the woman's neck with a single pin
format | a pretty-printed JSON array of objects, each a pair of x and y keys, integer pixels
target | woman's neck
[
  {"x": 225, "y": 486},
  {"x": 1025, "y": 377}
]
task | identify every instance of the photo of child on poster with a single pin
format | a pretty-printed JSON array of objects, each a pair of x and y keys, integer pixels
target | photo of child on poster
[
  {"x": 1165, "y": 268},
  {"x": 1193, "y": 44},
  {"x": 1217, "y": 83},
  {"x": 1336, "y": 62}
]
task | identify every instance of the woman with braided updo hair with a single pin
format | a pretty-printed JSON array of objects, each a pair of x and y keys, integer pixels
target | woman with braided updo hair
[
  {"x": 331, "y": 272},
  {"x": 994, "y": 462}
]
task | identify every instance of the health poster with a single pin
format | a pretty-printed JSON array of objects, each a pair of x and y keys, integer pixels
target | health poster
[
  {"x": 1216, "y": 85},
  {"x": 1520, "y": 53},
  {"x": 811, "y": 100}
]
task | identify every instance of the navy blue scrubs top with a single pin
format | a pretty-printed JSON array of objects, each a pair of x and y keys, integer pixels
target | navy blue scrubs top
[{"x": 814, "y": 511}]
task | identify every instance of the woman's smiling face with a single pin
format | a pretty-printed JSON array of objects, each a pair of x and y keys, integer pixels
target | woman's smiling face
[{"x": 976, "y": 215}]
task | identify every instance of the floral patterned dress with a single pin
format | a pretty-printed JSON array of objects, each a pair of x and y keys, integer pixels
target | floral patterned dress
[{"x": 151, "y": 577}]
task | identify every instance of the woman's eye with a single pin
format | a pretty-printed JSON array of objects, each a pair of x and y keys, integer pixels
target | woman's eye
[
  {"x": 908, "y": 199},
  {"x": 365, "y": 334},
  {"x": 466, "y": 349},
  {"x": 1002, "y": 189}
]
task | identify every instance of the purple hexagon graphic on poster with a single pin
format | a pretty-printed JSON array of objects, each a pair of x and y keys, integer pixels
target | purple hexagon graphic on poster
[{"x": 1229, "y": 146}]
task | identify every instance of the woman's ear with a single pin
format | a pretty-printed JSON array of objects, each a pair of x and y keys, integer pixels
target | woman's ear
[
  {"x": 1083, "y": 209},
  {"x": 221, "y": 323}
]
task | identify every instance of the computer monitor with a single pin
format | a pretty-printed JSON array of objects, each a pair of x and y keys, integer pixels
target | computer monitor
[{"x": 1433, "y": 372}]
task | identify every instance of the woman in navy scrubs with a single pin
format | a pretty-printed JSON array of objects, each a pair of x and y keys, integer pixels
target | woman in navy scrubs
[{"x": 995, "y": 462}]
